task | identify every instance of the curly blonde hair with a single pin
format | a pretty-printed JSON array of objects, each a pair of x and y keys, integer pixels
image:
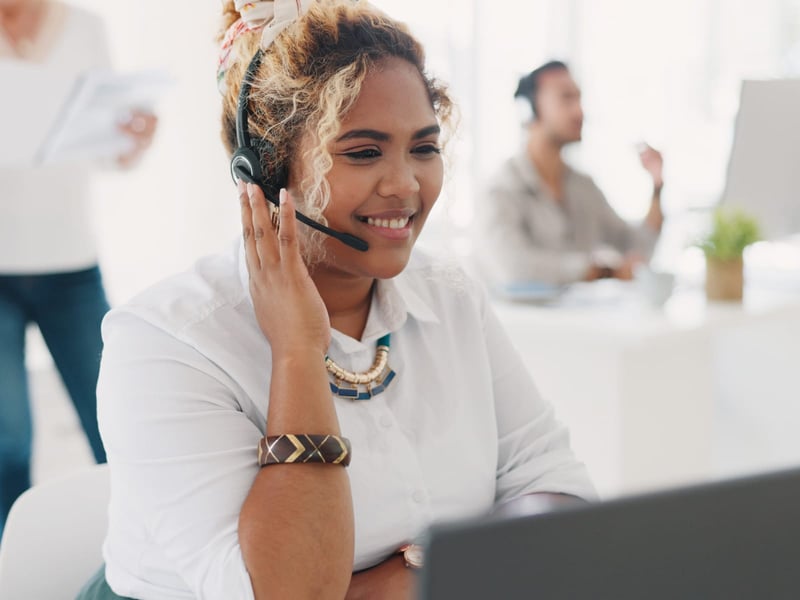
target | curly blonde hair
[{"x": 308, "y": 80}]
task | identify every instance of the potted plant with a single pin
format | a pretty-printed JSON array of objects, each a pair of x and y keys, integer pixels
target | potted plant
[{"x": 731, "y": 232}]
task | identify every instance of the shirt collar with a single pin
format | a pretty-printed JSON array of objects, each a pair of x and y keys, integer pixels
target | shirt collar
[
  {"x": 399, "y": 298},
  {"x": 393, "y": 301}
]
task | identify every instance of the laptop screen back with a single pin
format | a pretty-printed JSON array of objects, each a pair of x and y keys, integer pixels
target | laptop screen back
[{"x": 735, "y": 539}]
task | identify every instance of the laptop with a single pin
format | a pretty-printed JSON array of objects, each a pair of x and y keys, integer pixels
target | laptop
[{"x": 720, "y": 541}]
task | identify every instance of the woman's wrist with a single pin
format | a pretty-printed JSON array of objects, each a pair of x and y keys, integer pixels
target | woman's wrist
[
  {"x": 299, "y": 395},
  {"x": 389, "y": 579},
  {"x": 298, "y": 356}
]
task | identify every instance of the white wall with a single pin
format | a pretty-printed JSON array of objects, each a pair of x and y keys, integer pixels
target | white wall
[{"x": 179, "y": 203}]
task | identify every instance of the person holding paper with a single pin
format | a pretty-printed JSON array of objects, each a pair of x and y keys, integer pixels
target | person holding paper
[
  {"x": 48, "y": 261},
  {"x": 543, "y": 221}
]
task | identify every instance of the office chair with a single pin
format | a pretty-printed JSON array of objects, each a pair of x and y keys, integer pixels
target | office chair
[{"x": 52, "y": 540}]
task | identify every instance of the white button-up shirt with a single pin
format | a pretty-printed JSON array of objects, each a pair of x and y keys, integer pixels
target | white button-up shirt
[{"x": 183, "y": 397}]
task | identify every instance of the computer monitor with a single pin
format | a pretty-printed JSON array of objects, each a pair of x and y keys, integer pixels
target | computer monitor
[
  {"x": 719, "y": 541},
  {"x": 764, "y": 166}
]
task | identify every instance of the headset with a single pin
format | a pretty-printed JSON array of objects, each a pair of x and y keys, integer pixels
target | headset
[{"x": 246, "y": 162}]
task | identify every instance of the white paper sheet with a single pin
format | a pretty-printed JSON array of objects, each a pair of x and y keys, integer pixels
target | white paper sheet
[
  {"x": 88, "y": 125},
  {"x": 47, "y": 119}
]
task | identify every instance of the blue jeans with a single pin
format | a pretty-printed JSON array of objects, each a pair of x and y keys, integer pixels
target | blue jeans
[{"x": 68, "y": 308}]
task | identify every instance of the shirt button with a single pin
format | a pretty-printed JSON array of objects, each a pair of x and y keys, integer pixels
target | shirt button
[
  {"x": 418, "y": 496},
  {"x": 386, "y": 421}
]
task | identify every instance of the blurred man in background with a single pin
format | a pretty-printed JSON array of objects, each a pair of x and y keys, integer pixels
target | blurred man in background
[{"x": 546, "y": 222}]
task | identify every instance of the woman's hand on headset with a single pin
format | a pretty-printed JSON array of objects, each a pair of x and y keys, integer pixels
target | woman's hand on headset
[{"x": 288, "y": 306}]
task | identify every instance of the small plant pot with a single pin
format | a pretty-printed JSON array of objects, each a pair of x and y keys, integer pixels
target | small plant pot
[{"x": 724, "y": 279}]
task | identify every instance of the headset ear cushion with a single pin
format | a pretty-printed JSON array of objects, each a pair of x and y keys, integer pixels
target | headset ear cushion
[
  {"x": 249, "y": 161},
  {"x": 274, "y": 175}
]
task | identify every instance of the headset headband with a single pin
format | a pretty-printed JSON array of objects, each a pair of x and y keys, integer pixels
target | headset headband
[{"x": 242, "y": 112}]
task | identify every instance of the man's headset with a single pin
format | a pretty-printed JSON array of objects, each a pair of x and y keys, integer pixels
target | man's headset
[{"x": 246, "y": 162}]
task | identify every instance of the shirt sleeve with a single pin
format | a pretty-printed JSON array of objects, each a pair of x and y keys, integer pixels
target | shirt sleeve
[
  {"x": 511, "y": 253},
  {"x": 182, "y": 452},
  {"x": 619, "y": 233},
  {"x": 534, "y": 454}
]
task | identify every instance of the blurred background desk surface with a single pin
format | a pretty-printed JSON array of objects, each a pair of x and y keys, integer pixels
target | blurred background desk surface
[{"x": 659, "y": 397}]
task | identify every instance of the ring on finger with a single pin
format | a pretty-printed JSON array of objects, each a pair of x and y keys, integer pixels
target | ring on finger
[{"x": 275, "y": 216}]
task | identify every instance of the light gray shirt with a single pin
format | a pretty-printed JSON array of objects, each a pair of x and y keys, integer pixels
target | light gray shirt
[{"x": 526, "y": 235}]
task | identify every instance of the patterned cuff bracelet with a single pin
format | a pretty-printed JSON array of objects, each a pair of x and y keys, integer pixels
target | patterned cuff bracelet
[{"x": 303, "y": 448}]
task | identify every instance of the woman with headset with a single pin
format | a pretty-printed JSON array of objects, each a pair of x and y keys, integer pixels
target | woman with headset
[{"x": 283, "y": 420}]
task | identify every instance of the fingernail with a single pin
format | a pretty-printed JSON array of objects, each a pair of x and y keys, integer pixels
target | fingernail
[
  {"x": 240, "y": 186},
  {"x": 282, "y": 196},
  {"x": 250, "y": 189}
]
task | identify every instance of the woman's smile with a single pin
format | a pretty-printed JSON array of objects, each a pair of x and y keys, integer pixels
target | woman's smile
[{"x": 392, "y": 224}]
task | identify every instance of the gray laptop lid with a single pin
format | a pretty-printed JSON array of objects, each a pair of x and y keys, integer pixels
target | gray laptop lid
[{"x": 727, "y": 540}]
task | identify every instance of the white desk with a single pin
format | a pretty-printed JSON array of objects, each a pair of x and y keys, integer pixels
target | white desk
[{"x": 655, "y": 398}]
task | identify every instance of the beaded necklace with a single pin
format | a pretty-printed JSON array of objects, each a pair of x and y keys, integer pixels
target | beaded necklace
[{"x": 363, "y": 386}]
